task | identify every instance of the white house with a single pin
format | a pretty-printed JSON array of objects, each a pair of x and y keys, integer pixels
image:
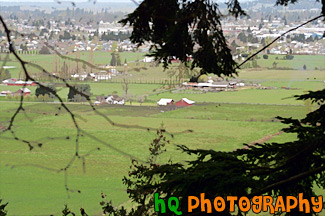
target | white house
[
  {"x": 148, "y": 59},
  {"x": 114, "y": 99}
]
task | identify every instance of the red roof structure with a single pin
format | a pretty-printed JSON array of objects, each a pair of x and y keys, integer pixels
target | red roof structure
[{"x": 184, "y": 102}]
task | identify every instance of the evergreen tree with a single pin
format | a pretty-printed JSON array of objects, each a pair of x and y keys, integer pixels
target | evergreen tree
[
  {"x": 113, "y": 60},
  {"x": 45, "y": 91},
  {"x": 75, "y": 96},
  {"x": 118, "y": 59}
]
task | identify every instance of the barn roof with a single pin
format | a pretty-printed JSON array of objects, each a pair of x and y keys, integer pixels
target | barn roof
[
  {"x": 188, "y": 101},
  {"x": 25, "y": 90},
  {"x": 164, "y": 101}
]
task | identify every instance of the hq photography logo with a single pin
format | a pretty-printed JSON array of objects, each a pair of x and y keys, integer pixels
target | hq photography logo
[{"x": 257, "y": 204}]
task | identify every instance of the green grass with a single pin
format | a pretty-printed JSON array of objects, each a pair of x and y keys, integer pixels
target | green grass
[
  {"x": 311, "y": 61},
  {"x": 242, "y": 117},
  {"x": 277, "y": 96},
  {"x": 281, "y": 75},
  {"x": 48, "y": 61},
  {"x": 97, "y": 89},
  {"x": 31, "y": 190}
]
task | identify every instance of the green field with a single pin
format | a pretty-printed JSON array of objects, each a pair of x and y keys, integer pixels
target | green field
[
  {"x": 297, "y": 63},
  {"x": 212, "y": 129},
  {"x": 222, "y": 121}
]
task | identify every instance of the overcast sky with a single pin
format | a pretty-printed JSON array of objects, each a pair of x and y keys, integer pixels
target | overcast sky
[{"x": 62, "y": 0}]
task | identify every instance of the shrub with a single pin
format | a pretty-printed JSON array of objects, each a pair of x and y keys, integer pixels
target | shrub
[
  {"x": 289, "y": 57},
  {"x": 203, "y": 78}
]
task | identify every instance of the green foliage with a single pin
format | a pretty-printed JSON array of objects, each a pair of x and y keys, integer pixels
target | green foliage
[
  {"x": 66, "y": 36},
  {"x": 254, "y": 63},
  {"x": 113, "y": 60},
  {"x": 44, "y": 51},
  {"x": 49, "y": 90},
  {"x": 203, "y": 78},
  {"x": 4, "y": 75},
  {"x": 274, "y": 64},
  {"x": 75, "y": 96},
  {"x": 23, "y": 47},
  {"x": 265, "y": 56},
  {"x": 234, "y": 44},
  {"x": 167, "y": 25},
  {"x": 289, "y": 57},
  {"x": 116, "y": 59},
  {"x": 242, "y": 37},
  {"x": 112, "y": 36}
]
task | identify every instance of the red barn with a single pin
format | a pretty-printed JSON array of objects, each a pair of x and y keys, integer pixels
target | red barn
[
  {"x": 184, "y": 102},
  {"x": 22, "y": 91}
]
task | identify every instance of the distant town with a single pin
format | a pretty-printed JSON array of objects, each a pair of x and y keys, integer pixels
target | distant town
[{"x": 68, "y": 30}]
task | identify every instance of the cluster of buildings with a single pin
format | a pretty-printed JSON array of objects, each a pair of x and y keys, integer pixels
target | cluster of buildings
[
  {"x": 110, "y": 99},
  {"x": 19, "y": 92},
  {"x": 170, "y": 102},
  {"x": 16, "y": 82},
  {"x": 264, "y": 29},
  {"x": 212, "y": 85},
  {"x": 84, "y": 33}
]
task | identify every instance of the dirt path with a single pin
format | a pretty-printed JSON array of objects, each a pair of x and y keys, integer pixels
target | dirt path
[{"x": 263, "y": 139}]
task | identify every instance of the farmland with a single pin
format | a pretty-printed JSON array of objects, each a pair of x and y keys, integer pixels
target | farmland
[
  {"x": 105, "y": 168},
  {"x": 30, "y": 189}
]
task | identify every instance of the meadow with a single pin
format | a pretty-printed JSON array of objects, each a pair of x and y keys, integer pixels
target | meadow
[
  {"x": 24, "y": 184},
  {"x": 31, "y": 189}
]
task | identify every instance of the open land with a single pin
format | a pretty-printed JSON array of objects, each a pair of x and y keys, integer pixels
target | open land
[{"x": 249, "y": 111}]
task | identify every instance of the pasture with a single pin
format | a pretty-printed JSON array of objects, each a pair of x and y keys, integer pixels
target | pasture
[
  {"x": 31, "y": 188},
  {"x": 24, "y": 183}
]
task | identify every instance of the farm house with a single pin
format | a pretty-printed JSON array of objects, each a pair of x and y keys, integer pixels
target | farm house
[
  {"x": 14, "y": 82},
  {"x": 22, "y": 91},
  {"x": 5, "y": 93}
]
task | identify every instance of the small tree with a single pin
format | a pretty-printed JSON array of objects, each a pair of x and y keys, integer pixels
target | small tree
[
  {"x": 304, "y": 67},
  {"x": 5, "y": 75},
  {"x": 265, "y": 56},
  {"x": 118, "y": 59},
  {"x": 274, "y": 65},
  {"x": 289, "y": 57},
  {"x": 203, "y": 78},
  {"x": 254, "y": 64},
  {"x": 75, "y": 96},
  {"x": 141, "y": 100},
  {"x": 45, "y": 91},
  {"x": 113, "y": 60}
]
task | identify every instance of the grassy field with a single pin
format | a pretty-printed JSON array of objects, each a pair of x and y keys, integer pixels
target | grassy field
[
  {"x": 48, "y": 61},
  {"x": 157, "y": 73},
  {"x": 32, "y": 190},
  {"x": 212, "y": 128},
  {"x": 297, "y": 63}
]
